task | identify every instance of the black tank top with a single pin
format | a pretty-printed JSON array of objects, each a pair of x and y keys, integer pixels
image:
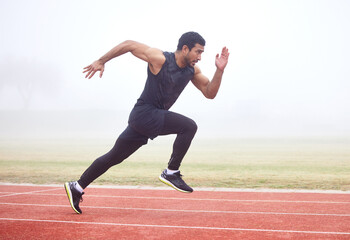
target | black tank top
[
  {"x": 163, "y": 89},
  {"x": 160, "y": 93}
]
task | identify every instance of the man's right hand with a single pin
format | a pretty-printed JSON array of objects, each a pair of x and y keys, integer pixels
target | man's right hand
[{"x": 93, "y": 68}]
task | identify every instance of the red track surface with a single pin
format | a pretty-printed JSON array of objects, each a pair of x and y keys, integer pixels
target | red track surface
[{"x": 41, "y": 212}]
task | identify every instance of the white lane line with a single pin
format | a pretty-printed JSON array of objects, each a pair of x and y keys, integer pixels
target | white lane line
[
  {"x": 180, "y": 210},
  {"x": 169, "y": 226},
  {"x": 199, "y": 189},
  {"x": 198, "y": 199},
  {"x": 28, "y": 193},
  {"x": 215, "y": 199}
]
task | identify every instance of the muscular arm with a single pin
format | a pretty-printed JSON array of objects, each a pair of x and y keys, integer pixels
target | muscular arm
[
  {"x": 153, "y": 56},
  {"x": 211, "y": 88}
]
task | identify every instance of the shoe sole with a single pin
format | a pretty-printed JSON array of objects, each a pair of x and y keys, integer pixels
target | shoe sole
[
  {"x": 70, "y": 198},
  {"x": 163, "y": 180}
]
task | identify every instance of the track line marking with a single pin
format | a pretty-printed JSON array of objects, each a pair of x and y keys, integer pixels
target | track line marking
[
  {"x": 220, "y": 200},
  {"x": 181, "y": 210},
  {"x": 198, "y": 199},
  {"x": 169, "y": 226},
  {"x": 28, "y": 193},
  {"x": 197, "y": 189}
]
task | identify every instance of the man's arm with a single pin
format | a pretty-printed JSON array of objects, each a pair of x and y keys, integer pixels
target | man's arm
[
  {"x": 153, "y": 56},
  {"x": 211, "y": 88}
]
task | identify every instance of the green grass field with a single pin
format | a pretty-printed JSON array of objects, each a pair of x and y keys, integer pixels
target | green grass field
[{"x": 236, "y": 163}]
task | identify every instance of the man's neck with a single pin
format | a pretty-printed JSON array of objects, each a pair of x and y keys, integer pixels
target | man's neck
[{"x": 180, "y": 61}]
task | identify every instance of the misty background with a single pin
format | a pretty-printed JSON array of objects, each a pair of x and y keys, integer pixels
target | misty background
[{"x": 288, "y": 72}]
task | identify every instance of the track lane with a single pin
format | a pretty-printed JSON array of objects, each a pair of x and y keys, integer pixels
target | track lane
[{"x": 186, "y": 221}]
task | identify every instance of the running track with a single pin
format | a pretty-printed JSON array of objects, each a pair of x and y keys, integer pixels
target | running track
[{"x": 43, "y": 212}]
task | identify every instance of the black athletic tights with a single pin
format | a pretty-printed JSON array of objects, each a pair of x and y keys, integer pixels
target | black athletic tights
[{"x": 174, "y": 123}]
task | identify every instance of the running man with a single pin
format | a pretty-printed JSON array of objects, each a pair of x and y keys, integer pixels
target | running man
[{"x": 168, "y": 75}]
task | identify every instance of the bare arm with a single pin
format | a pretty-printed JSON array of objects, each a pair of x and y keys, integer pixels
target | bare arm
[
  {"x": 211, "y": 88},
  {"x": 153, "y": 56}
]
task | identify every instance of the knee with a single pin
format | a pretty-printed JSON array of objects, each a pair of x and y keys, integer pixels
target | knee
[{"x": 191, "y": 127}]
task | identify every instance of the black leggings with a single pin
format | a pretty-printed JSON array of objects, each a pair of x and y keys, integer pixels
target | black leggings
[{"x": 129, "y": 141}]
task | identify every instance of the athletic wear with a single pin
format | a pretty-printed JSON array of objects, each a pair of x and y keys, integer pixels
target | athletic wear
[
  {"x": 168, "y": 171},
  {"x": 160, "y": 93},
  {"x": 130, "y": 140},
  {"x": 175, "y": 181},
  {"x": 150, "y": 118},
  {"x": 163, "y": 89},
  {"x": 122, "y": 149},
  {"x": 78, "y": 187},
  {"x": 74, "y": 196}
]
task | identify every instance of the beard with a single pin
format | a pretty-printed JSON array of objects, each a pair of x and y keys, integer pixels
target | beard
[{"x": 189, "y": 62}]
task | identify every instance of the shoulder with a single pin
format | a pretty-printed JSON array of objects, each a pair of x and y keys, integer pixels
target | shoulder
[
  {"x": 156, "y": 60},
  {"x": 155, "y": 56},
  {"x": 197, "y": 70}
]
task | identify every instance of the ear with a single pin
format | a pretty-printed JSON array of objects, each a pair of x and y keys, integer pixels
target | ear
[{"x": 185, "y": 49}]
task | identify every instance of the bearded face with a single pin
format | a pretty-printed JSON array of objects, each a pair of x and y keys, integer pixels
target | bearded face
[{"x": 195, "y": 55}]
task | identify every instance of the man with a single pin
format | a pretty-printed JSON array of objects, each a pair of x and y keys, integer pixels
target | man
[{"x": 168, "y": 75}]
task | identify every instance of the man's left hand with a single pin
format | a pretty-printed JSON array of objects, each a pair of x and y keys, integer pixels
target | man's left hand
[{"x": 221, "y": 61}]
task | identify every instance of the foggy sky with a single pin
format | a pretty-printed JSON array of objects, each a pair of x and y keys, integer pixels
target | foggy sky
[{"x": 288, "y": 70}]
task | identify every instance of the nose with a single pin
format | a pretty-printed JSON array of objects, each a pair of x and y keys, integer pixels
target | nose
[{"x": 199, "y": 57}]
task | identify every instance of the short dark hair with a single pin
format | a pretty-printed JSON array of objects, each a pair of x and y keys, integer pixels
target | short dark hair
[{"x": 190, "y": 39}]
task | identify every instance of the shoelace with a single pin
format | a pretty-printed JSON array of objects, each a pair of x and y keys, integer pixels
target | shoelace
[{"x": 178, "y": 174}]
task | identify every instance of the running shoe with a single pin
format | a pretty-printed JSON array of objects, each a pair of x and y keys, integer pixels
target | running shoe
[
  {"x": 175, "y": 181},
  {"x": 74, "y": 196}
]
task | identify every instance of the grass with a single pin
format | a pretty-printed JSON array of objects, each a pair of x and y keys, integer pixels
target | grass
[{"x": 236, "y": 163}]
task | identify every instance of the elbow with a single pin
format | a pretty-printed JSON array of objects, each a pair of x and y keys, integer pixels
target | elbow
[
  {"x": 208, "y": 93},
  {"x": 210, "y": 96}
]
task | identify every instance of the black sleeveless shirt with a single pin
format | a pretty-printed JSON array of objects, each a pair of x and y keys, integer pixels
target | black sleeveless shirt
[
  {"x": 160, "y": 93},
  {"x": 163, "y": 89}
]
